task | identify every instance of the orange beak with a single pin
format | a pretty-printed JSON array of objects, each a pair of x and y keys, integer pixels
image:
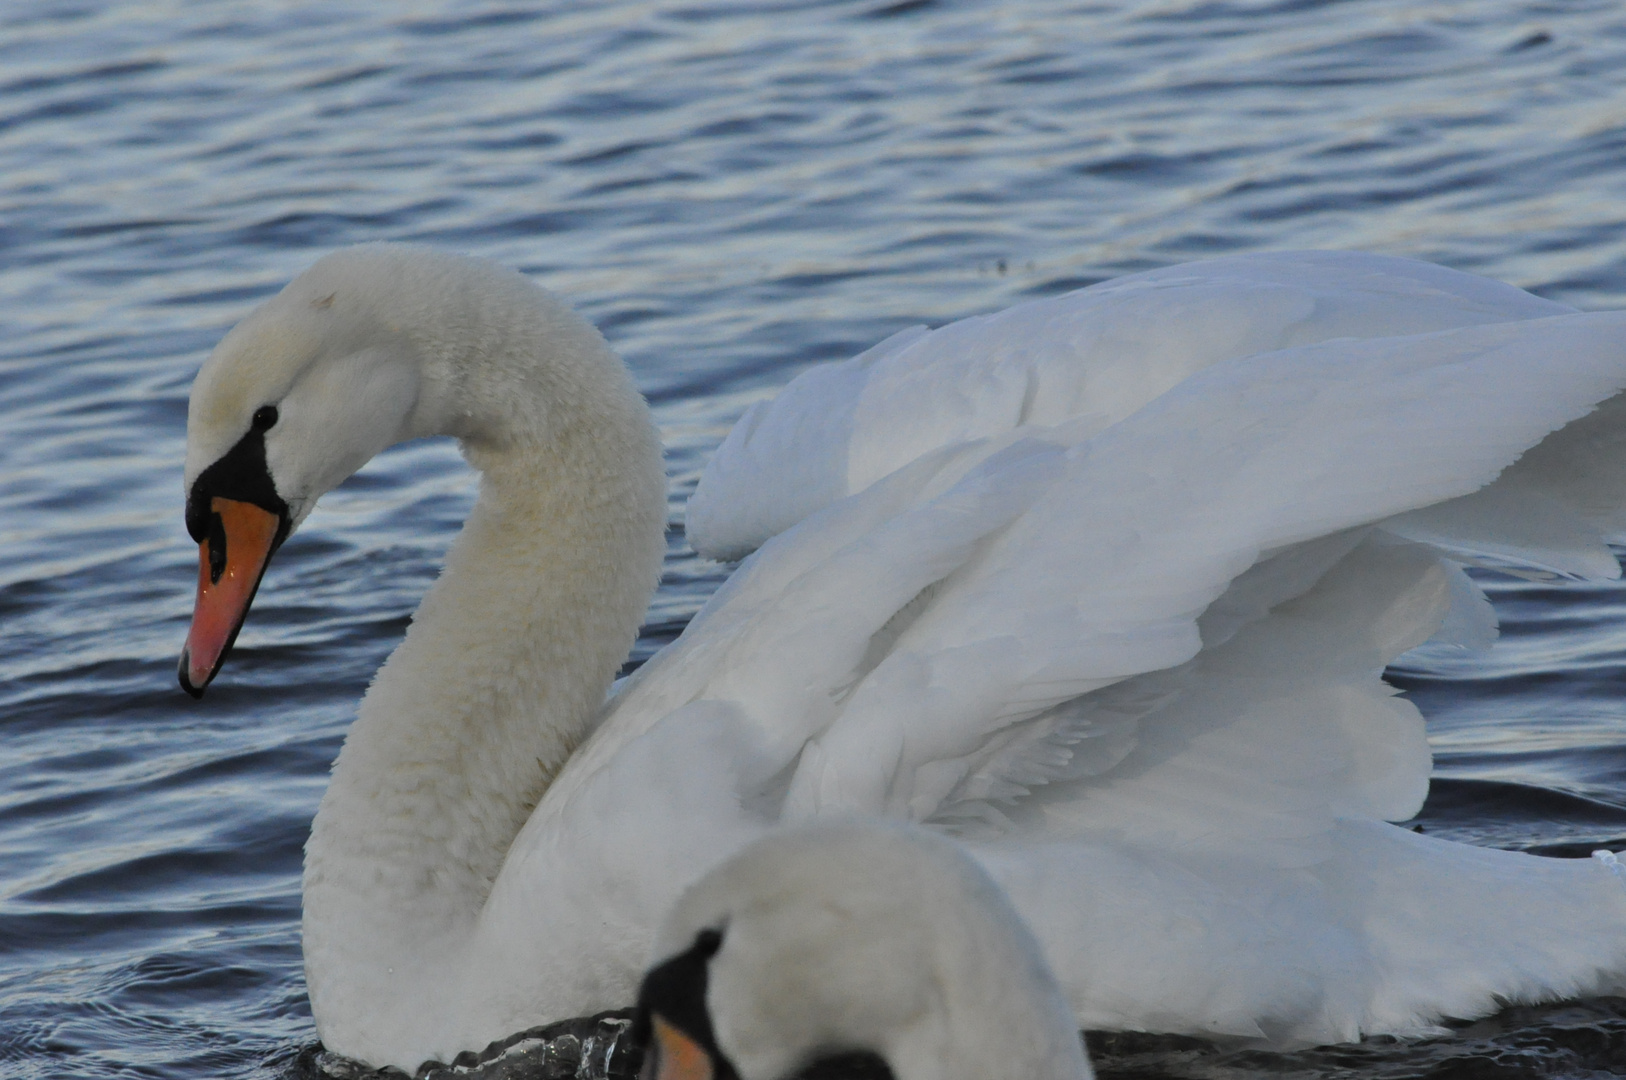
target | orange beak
[
  {"x": 672, "y": 1055},
  {"x": 231, "y": 561}
]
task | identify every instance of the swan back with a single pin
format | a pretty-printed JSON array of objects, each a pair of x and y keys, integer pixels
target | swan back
[{"x": 866, "y": 936}]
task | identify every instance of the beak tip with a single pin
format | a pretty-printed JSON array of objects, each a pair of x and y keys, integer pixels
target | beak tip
[{"x": 186, "y": 676}]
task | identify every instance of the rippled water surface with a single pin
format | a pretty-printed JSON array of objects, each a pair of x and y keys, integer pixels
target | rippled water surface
[{"x": 732, "y": 190}]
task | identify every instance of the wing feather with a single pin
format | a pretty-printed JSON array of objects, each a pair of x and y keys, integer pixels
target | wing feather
[{"x": 1095, "y": 355}]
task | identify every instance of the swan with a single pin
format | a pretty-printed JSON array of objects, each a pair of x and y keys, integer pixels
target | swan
[
  {"x": 852, "y": 936},
  {"x": 1101, "y": 586}
]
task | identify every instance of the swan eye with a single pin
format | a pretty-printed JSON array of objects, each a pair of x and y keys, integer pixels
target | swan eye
[{"x": 265, "y": 417}]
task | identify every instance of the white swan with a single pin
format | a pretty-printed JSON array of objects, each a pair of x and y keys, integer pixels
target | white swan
[
  {"x": 852, "y": 936},
  {"x": 1104, "y": 584}
]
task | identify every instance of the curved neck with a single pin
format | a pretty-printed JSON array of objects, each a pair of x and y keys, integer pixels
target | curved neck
[{"x": 500, "y": 676}]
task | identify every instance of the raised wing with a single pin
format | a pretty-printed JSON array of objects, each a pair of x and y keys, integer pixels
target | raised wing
[
  {"x": 1094, "y": 356},
  {"x": 1175, "y": 626},
  {"x": 1138, "y": 658},
  {"x": 1133, "y": 643},
  {"x": 1209, "y": 494}
]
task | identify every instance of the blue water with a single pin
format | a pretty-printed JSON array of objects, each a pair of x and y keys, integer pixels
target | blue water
[{"x": 732, "y": 190}]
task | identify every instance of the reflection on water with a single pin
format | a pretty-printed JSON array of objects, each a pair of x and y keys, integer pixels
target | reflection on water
[{"x": 733, "y": 190}]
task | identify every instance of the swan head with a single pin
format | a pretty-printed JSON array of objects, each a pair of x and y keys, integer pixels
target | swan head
[
  {"x": 852, "y": 937},
  {"x": 357, "y": 353}
]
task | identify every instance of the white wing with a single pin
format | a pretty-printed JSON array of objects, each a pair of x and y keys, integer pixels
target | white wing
[
  {"x": 1097, "y": 354},
  {"x": 1108, "y": 572},
  {"x": 1119, "y": 608}
]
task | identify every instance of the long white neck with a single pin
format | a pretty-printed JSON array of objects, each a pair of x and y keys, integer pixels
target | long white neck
[{"x": 503, "y": 670}]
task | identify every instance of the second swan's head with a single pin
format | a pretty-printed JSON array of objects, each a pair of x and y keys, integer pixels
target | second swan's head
[
  {"x": 370, "y": 346},
  {"x": 859, "y": 936}
]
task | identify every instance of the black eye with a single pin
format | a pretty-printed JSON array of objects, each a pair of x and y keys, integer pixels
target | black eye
[{"x": 265, "y": 417}]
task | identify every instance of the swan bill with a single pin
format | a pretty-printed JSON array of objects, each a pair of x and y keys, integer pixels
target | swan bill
[
  {"x": 672, "y": 1023},
  {"x": 673, "y": 1055},
  {"x": 231, "y": 560}
]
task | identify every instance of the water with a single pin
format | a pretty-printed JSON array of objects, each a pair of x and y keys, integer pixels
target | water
[{"x": 733, "y": 190}]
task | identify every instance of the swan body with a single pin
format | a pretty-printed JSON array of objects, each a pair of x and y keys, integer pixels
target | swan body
[
  {"x": 855, "y": 936},
  {"x": 1102, "y": 586}
]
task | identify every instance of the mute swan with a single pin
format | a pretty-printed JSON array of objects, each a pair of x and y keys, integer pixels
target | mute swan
[
  {"x": 852, "y": 937},
  {"x": 1103, "y": 585}
]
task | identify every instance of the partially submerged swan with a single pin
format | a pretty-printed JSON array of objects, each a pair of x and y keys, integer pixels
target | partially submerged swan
[
  {"x": 1103, "y": 585},
  {"x": 853, "y": 936}
]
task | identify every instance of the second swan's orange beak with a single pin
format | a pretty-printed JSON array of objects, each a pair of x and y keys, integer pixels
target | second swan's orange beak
[
  {"x": 673, "y": 1055},
  {"x": 231, "y": 561}
]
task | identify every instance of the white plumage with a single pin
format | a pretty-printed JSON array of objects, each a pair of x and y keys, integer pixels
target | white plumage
[{"x": 1103, "y": 585}]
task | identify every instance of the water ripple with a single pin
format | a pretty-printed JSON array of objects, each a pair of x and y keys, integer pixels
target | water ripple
[{"x": 733, "y": 191}]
